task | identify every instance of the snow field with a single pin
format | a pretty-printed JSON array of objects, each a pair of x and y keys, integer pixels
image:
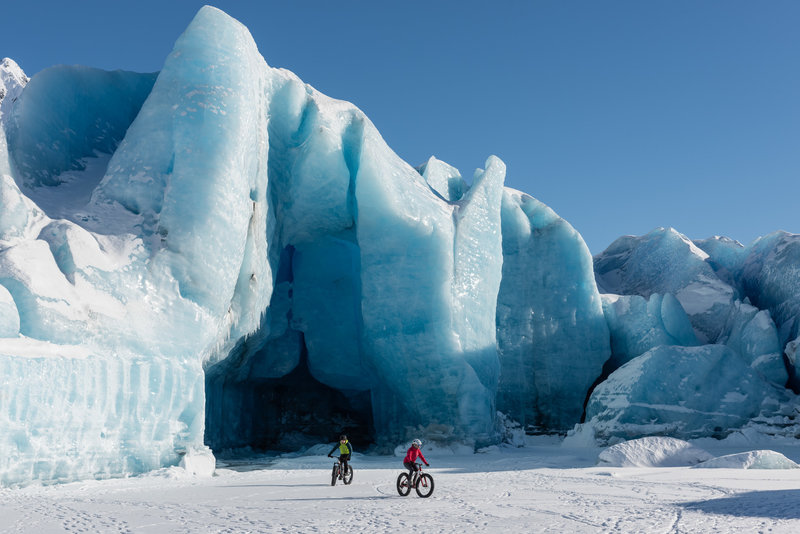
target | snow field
[{"x": 540, "y": 488}]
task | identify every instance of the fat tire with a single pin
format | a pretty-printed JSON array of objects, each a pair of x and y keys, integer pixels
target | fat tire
[
  {"x": 425, "y": 485},
  {"x": 403, "y": 484},
  {"x": 334, "y": 475},
  {"x": 347, "y": 477}
]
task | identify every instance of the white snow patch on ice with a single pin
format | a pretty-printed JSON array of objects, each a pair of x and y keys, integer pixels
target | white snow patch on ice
[
  {"x": 701, "y": 296},
  {"x": 734, "y": 397}
]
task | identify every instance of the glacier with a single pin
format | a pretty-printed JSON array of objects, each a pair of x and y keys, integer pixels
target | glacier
[
  {"x": 637, "y": 325},
  {"x": 665, "y": 261},
  {"x": 553, "y": 338},
  {"x": 218, "y": 256},
  {"x": 657, "y": 394}
]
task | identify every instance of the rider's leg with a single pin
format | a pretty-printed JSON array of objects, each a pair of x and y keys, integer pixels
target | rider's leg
[{"x": 411, "y": 468}]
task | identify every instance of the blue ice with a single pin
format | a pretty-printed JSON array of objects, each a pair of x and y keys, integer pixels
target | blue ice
[
  {"x": 665, "y": 261},
  {"x": 638, "y": 325},
  {"x": 657, "y": 394},
  {"x": 219, "y": 254},
  {"x": 551, "y": 334}
]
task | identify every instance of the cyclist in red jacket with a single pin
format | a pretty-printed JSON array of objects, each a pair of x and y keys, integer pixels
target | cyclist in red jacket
[{"x": 412, "y": 454}]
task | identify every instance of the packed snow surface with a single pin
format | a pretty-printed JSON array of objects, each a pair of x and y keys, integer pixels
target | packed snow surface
[{"x": 540, "y": 488}]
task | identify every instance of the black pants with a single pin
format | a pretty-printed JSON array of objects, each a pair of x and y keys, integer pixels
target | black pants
[
  {"x": 344, "y": 458},
  {"x": 412, "y": 468}
]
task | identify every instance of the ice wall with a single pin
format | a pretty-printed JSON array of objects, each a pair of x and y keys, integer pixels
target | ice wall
[
  {"x": 363, "y": 249},
  {"x": 429, "y": 329},
  {"x": 69, "y": 412},
  {"x": 192, "y": 167},
  {"x": 551, "y": 334},
  {"x": 220, "y": 254},
  {"x": 127, "y": 297}
]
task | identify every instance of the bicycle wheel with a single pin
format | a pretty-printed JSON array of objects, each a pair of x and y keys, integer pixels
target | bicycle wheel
[
  {"x": 334, "y": 475},
  {"x": 425, "y": 485},
  {"x": 403, "y": 486},
  {"x": 347, "y": 477}
]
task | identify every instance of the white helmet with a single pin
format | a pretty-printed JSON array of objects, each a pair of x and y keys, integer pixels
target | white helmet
[{"x": 417, "y": 442}]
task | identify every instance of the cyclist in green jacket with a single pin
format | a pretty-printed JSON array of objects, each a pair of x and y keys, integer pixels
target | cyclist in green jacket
[{"x": 345, "y": 450}]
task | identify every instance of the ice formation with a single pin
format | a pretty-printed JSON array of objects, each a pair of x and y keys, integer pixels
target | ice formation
[
  {"x": 653, "y": 451},
  {"x": 771, "y": 280},
  {"x": 762, "y": 459},
  {"x": 552, "y": 337},
  {"x": 658, "y": 393},
  {"x": 9, "y": 316},
  {"x": 638, "y": 325},
  {"x": 220, "y": 255},
  {"x": 664, "y": 261},
  {"x": 752, "y": 334},
  {"x": 726, "y": 257}
]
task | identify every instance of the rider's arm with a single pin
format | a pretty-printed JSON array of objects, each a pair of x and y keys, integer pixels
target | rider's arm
[
  {"x": 423, "y": 458},
  {"x": 333, "y": 449},
  {"x": 349, "y": 448}
]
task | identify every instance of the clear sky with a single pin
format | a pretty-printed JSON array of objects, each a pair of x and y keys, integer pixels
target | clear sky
[{"x": 622, "y": 116}]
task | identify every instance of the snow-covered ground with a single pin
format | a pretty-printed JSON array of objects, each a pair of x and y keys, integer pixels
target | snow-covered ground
[{"x": 543, "y": 487}]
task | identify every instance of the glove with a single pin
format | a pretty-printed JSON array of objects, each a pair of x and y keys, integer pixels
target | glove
[
  {"x": 427, "y": 465},
  {"x": 330, "y": 456}
]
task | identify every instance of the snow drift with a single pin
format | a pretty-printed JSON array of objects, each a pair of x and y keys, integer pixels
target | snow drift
[{"x": 655, "y": 451}]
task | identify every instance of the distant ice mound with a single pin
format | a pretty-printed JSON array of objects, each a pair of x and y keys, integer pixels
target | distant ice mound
[
  {"x": 654, "y": 451},
  {"x": 762, "y": 459}
]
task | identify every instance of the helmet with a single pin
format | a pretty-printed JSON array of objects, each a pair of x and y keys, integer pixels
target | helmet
[
  {"x": 417, "y": 442},
  {"x": 342, "y": 438}
]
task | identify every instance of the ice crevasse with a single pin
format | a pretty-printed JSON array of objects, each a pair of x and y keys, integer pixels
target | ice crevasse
[{"x": 218, "y": 255}]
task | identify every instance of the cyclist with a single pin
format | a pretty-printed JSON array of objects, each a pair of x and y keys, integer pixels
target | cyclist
[
  {"x": 412, "y": 454},
  {"x": 345, "y": 450}
]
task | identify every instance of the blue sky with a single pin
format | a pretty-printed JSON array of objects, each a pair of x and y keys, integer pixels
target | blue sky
[{"x": 620, "y": 115}]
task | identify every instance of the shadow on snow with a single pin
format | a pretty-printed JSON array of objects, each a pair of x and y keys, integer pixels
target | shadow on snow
[{"x": 775, "y": 504}]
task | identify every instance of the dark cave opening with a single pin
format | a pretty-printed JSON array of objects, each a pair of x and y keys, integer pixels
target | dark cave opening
[{"x": 281, "y": 414}]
